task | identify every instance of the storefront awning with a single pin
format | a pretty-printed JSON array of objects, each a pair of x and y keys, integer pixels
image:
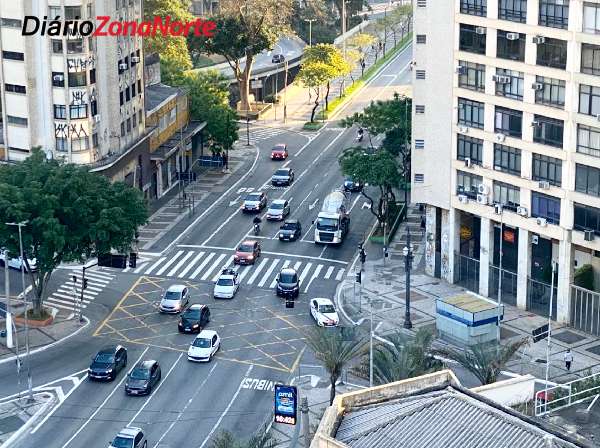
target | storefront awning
[{"x": 180, "y": 139}]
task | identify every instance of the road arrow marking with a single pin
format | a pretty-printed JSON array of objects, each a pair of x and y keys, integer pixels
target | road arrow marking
[
  {"x": 313, "y": 205},
  {"x": 366, "y": 205},
  {"x": 235, "y": 201}
]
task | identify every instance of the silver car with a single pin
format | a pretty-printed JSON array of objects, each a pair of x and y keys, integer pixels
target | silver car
[
  {"x": 176, "y": 298},
  {"x": 129, "y": 437},
  {"x": 278, "y": 210}
]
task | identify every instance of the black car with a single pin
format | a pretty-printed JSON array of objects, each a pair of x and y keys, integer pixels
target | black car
[
  {"x": 283, "y": 176},
  {"x": 351, "y": 185},
  {"x": 194, "y": 319},
  {"x": 277, "y": 59},
  {"x": 288, "y": 284},
  {"x": 107, "y": 363},
  {"x": 144, "y": 376},
  {"x": 291, "y": 230}
]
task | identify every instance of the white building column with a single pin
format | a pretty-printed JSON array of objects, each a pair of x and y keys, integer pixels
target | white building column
[
  {"x": 486, "y": 252},
  {"x": 450, "y": 242},
  {"x": 524, "y": 267},
  {"x": 565, "y": 279},
  {"x": 430, "y": 237},
  {"x": 159, "y": 180}
]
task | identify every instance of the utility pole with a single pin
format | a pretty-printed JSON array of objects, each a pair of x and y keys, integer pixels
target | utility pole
[
  {"x": 549, "y": 332},
  {"x": 310, "y": 21},
  {"x": 305, "y": 421},
  {"x": 500, "y": 271},
  {"x": 408, "y": 254},
  {"x": 371, "y": 346},
  {"x": 83, "y": 286},
  {"x": 9, "y": 340},
  {"x": 285, "y": 92}
]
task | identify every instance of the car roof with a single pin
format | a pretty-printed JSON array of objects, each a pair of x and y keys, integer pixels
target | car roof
[
  {"x": 129, "y": 431},
  {"x": 284, "y": 169},
  {"x": 112, "y": 349},
  {"x": 196, "y": 306},
  {"x": 291, "y": 221},
  {"x": 323, "y": 301},
  {"x": 255, "y": 193},
  {"x": 288, "y": 271},
  {"x": 176, "y": 288},
  {"x": 279, "y": 201},
  {"x": 206, "y": 334},
  {"x": 279, "y": 146},
  {"x": 146, "y": 364},
  {"x": 227, "y": 276},
  {"x": 248, "y": 242}
]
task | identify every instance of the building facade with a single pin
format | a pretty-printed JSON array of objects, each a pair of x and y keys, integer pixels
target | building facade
[
  {"x": 204, "y": 8},
  {"x": 506, "y": 146}
]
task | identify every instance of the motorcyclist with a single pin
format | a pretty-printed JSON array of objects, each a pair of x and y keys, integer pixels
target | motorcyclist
[
  {"x": 256, "y": 222},
  {"x": 360, "y": 134}
]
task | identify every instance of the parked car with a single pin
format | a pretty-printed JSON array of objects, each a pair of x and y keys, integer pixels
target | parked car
[
  {"x": 278, "y": 210},
  {"x": 144, "y": 376},
  {"x": 288, "y": 284},
  {"x": 194, "y": 319},
  {"x": 226, "y": 285},
  {"x": 15, "y": 263},
  {"x": 324, "y": 313},
  {"x": 255, "y": 202},
  {"x": 279, "y": 152},
  {"x": 107, "y": 363},
  {"x": 206, "y": 344},
  {"x": 291, "y": 230},
  {"x": 283, "y": 176},
  {"x": 176, "y": 298},
  {"x": 247, "y": 252},
  {"x": 351, "y": 185},
  {"x": 129, "y": 437},
  {"x": 278, "y": 58}
]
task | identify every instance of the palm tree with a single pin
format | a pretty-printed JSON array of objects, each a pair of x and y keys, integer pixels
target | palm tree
[
  {"x": 334, "y": 351},
  {"x": 261, "y": 439},
  {"x": 485, "y": 360}
]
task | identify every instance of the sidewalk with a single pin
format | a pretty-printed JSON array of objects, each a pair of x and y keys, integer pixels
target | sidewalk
[{"x": 16, "y": 416}]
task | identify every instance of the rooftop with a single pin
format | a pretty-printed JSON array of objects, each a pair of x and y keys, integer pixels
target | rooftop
[{"x": 157, "y": 94}]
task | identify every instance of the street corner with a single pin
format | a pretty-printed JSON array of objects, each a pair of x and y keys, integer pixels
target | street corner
[{"x": 17, "y": 415}]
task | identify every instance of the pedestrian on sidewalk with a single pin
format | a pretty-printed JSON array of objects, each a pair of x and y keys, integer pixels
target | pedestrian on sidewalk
[
  {"x": 568, "y": 359},
  {"x": 422, "y": 226}
]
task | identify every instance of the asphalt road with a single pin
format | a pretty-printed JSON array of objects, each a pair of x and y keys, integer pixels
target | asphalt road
[{"x": 261, "y": 339}]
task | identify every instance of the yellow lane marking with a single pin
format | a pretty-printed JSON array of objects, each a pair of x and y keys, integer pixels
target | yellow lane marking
[{"x": 107, "y": 318}]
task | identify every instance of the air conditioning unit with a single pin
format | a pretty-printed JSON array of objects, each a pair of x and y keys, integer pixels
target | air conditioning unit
[
  {"x": 501, "y": 79},
  {"x": 544, "y": 185},
  {"x": 461, "y": 70},
  {"x": 588, "y": 235},
  {"x": 535, "y": 239},
  {"x": 468, "y": 162},
  {"x": 537, "y": 86},
  {"x": 498, "y": 209},
  {"x": 539, "y": 40},
  {"x": 542, "y": 222},
  {"x": 462, "y": 198},
  {"x": 535, "y": 123},
  {"x": 463, "y": 129},
  {"x": 522, "y": 211},
  {"x": 59, "y": 78},
  {"x": 482, "y": 189},
  {"x": 480, "y": 30},
  {"x": 96, "y": 118},
  {"x": 500, "y": 138},
  {"x": 483, "y": 199},
  {"x": 135, "y": 59},
  {"x": 598, "y": 117},
  {"x": 512, "y": 36},
  {"x": 122, "y": 66}
]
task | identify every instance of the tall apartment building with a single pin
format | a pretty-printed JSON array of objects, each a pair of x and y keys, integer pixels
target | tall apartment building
[
  {"x": 204, "y": 8},
  {"x": 79, "y": 98},
  {"x": 506, "y": 148}
]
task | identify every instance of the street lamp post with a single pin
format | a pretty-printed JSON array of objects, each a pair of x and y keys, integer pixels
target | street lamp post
[
  {"x": 500, "y": 207},
  {"x": 371, "y": 347},
  {"x": 408, "y": 257},
  {"x": 310, "y": 21}
]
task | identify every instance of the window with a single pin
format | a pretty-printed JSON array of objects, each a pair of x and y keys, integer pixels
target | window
[
  {"x": 474, "y": 7},
  {"x": 588, "y": 140},
  {"x": 60, "y": 112},
  {"x": 61, "y": 144},
  {"x": 13, "y": 55},
  {"x": 77, "y": 79},
  {"x": 133, "y": 90},
  {"x": 123, "y": 129},
  {"x": 543, "y": 206},
  {"x": 172, "y": 116},
  {"x": 547, "y": 169},
  {"x": 419, "y": 144},
  {"x": 93, "y": 76},
  {"x": 470, "y": 113},
  {"x": 134, "y": 121},
  {"x": 80, "y": 144},
  {"x": 139, "y": 89},
  {"x": 129, "y": 125},
  {"x": 19, "y": 121},
  {"x": 95, "y": 139},
  {"x": 591, "y": 17},
  {"x": 469, "y": 147},
  {"x": 554, "y": 13},
  {"x": 121, "y": 98},
  {"x": 513, "y": 10},
  {"x": 467, "y": 184},
  {"x": 552, "y": 53},
  {"x": 590, "y": 59},
  {"x": 15, "y": 88},
  {"x": 548, "y": 131},
  {"x": 421, "y": 3},
  {"x": 420, "y": 74},
  {"x": 508, "y": 121},
  {"x": 57, "y": 46},
  {"x": 586, "y": 218},
  {"x": 507, "y": 195},
  {"x": 77, "y": 112},
  {"x": 11, "y": 23},
  {"x": 472, "y": 76},
  {"x": 94, "y": 108},
  {"x": 74, "y": 46},
  {"x": 587, "y": 180},
  {"x": 54, "y": 12},
  {"x": 507, "y": 159},
  {"x": 127, "y": 94},
  {"x": 419, "y": 108},
  {"x": 471, "y": 40},
  {"x": 550, "y": 91},
  {"x": 513, "y": 88},
  {"x": 419, "y": 178},
  {"x": 421, "y": 39},
  {"x": 510, "y": 46},
  {"x": 589, "y": 100},
  {"x": 58, "y": 79},
  {"x": 72, "y": 12}
]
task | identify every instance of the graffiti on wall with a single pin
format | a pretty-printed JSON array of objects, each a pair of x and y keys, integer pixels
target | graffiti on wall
[
  {"x": 75, "y": 65},
  {"x": 430, "y": 241},
  {"x": 63, "y": 130},
  {"x": 78, "y": 97}
]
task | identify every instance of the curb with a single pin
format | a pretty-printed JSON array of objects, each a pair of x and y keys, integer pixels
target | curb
[
  {"x": 338, "y": 302},
  {"x": 17, "y": 434}
]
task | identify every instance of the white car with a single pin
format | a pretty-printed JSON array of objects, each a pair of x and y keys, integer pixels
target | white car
[
  {"x": 204, "y": 346},
  {"x": 226, "y": 285},
  {"x": 278, "y": 210},
  {"x": 324, "y": 313},
  {"x": 176, "y": 298},
  {"x": 15, "y": 263}
]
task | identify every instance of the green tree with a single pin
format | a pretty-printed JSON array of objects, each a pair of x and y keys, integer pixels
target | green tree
[
  {"x": 486, "y": 360},
  {"x": 174, "y": 55},
  {"x": 261, "y": 439},
  {"x": 398, "y": 21},
  {"x": 331, "y": 56},
  {"x": 334, "y": 351},
  {"x": 361, "y": 43},
  {"x": 71, "y": 215},
  {"x": 245, "y": 28},
  {"x": 314, "y": 76}
]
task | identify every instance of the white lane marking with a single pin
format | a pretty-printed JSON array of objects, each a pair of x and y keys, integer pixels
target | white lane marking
[
  {"x": 245, "y": 272},
  {"x": 78, "y": 293},
  {"x": 328, "y": 273},
  {"x": 354, "y": 203},
  {"x": 140, "y": 268},
  {"x": 268, "y": 273},
  {"x": 67, "y": 302},
  {"x": 178, "y": 265},
  {"x": 323, "y": 251},
  {"x": 204, "y": 262},
  {"x": 304, "y": 256},
  {"x": 233, "y": 399},
  {"x": 260, "y": 267},
  {"x": 155, "y": 265},
  {"x": 296, "y": 266},
  {"x": 223, "y": 224},
  {"x": 190, "y": 265},
  {"x": 162, "y": 381},
  {"x": 304, "y": 146},
  {"x": 305, "y": 272},
  {"x": 287, "y": 163},
  {"x": 227, "y": 263},
  {"x": 215, "y": 263},
  {"x": 169, "y": 263},
  {"x": 64, "y": 307},
  {"x": 314, "y": 276},
  {"x": 180, "y": 414},
  {"x": 258, "y": 384},
  {"x": 340, "y": 274},
  {"x": 314, "y": 204},
  {"x": 118, "y": 386}
]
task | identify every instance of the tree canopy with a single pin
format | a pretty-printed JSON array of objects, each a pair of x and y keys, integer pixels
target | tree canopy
[
  {"x": 314, "y": 76},
  {"x": 331, "y": 56}
]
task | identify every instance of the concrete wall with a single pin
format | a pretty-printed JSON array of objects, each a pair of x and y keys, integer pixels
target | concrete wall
[{"x": 509, "y": 392}]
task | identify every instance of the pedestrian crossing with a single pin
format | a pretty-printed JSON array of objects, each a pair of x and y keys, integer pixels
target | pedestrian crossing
[
  {"x": 68, "y": 297},
  {"x": 207, "y": 265},
  {"x": 264, "y": 133}
]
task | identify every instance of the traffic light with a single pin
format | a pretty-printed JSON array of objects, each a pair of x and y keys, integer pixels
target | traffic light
[
  {"x": 133, "y": 259},
  {"x": 358, "y": 277},
  {"x": 385, "y": 252},
  {"x": 363, "y": 255},
  {"x": 85, "y": 280}
]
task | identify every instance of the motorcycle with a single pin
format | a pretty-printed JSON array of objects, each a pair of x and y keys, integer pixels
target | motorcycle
[
  {"x": 256, "y": 229},
  {"x": 359, "y": 136}
]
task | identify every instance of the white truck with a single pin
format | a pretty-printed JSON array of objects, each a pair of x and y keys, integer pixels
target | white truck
[{"x": 333, "y": 220}]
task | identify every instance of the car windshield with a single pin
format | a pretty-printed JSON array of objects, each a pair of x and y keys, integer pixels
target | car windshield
[
  {"x": 281, "y": 173},
  {"x": 122, "y": 442},
  {"x": 326, "y": 309},
  {"x": 276, "y": 206},
  {"x": 140, "y": 374},
  {"x": 202, "y": 343},
  {"x": 327, "y": 224},
  {"x": 105, "y": 358},
  {"x": 225, "y": 282},
  {"x": 172, "y": 295},
  {"x": 191, "y": 314},
  {"x": 245, "y": 248},
  {"x": 253, "y": 197},
  {"x": 288, "y": 278},
  {"x": 278, "y": 148},
  {"x": 289, "y": 226}
]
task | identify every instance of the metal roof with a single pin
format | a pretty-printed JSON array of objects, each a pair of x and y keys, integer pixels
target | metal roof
[{"x": 445, "y": 418}]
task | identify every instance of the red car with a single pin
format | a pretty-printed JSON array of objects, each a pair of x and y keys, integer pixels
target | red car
[
  {"x": 279, "y": 152},
  {"x": 247, "y": 252}
]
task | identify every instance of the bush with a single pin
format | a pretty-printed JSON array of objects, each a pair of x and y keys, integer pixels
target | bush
[
  {"x": 271, "y": 99},
  {"x": 308, "y": 126},
  {"x": 584, "y": 277}
]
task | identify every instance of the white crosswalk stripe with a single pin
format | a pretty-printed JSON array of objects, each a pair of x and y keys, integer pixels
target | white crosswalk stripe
[
  {"x": 212, "y": 266},
  {"x": 67, "y": 295},
  {"x": 339, "y": 275},
  {"x": 169, "y": 263},
  {"x": 190, "y": 265},
  {"x": 199, "y": 268},
  {"x": 328, "y": 273},
  {"x": 178, "y": 265},
  {"x": 257, "y": 271},
  {"x": 268, "y": 273}
]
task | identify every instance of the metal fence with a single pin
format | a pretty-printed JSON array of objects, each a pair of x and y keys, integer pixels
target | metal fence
[
  {"x": 466, "y": 272},
  {"x": 538, "y": 297},
  {"x": 585, "y": 310},
  {"x": 509, "y": 285},
  {"x": 564, "y": 395}
]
